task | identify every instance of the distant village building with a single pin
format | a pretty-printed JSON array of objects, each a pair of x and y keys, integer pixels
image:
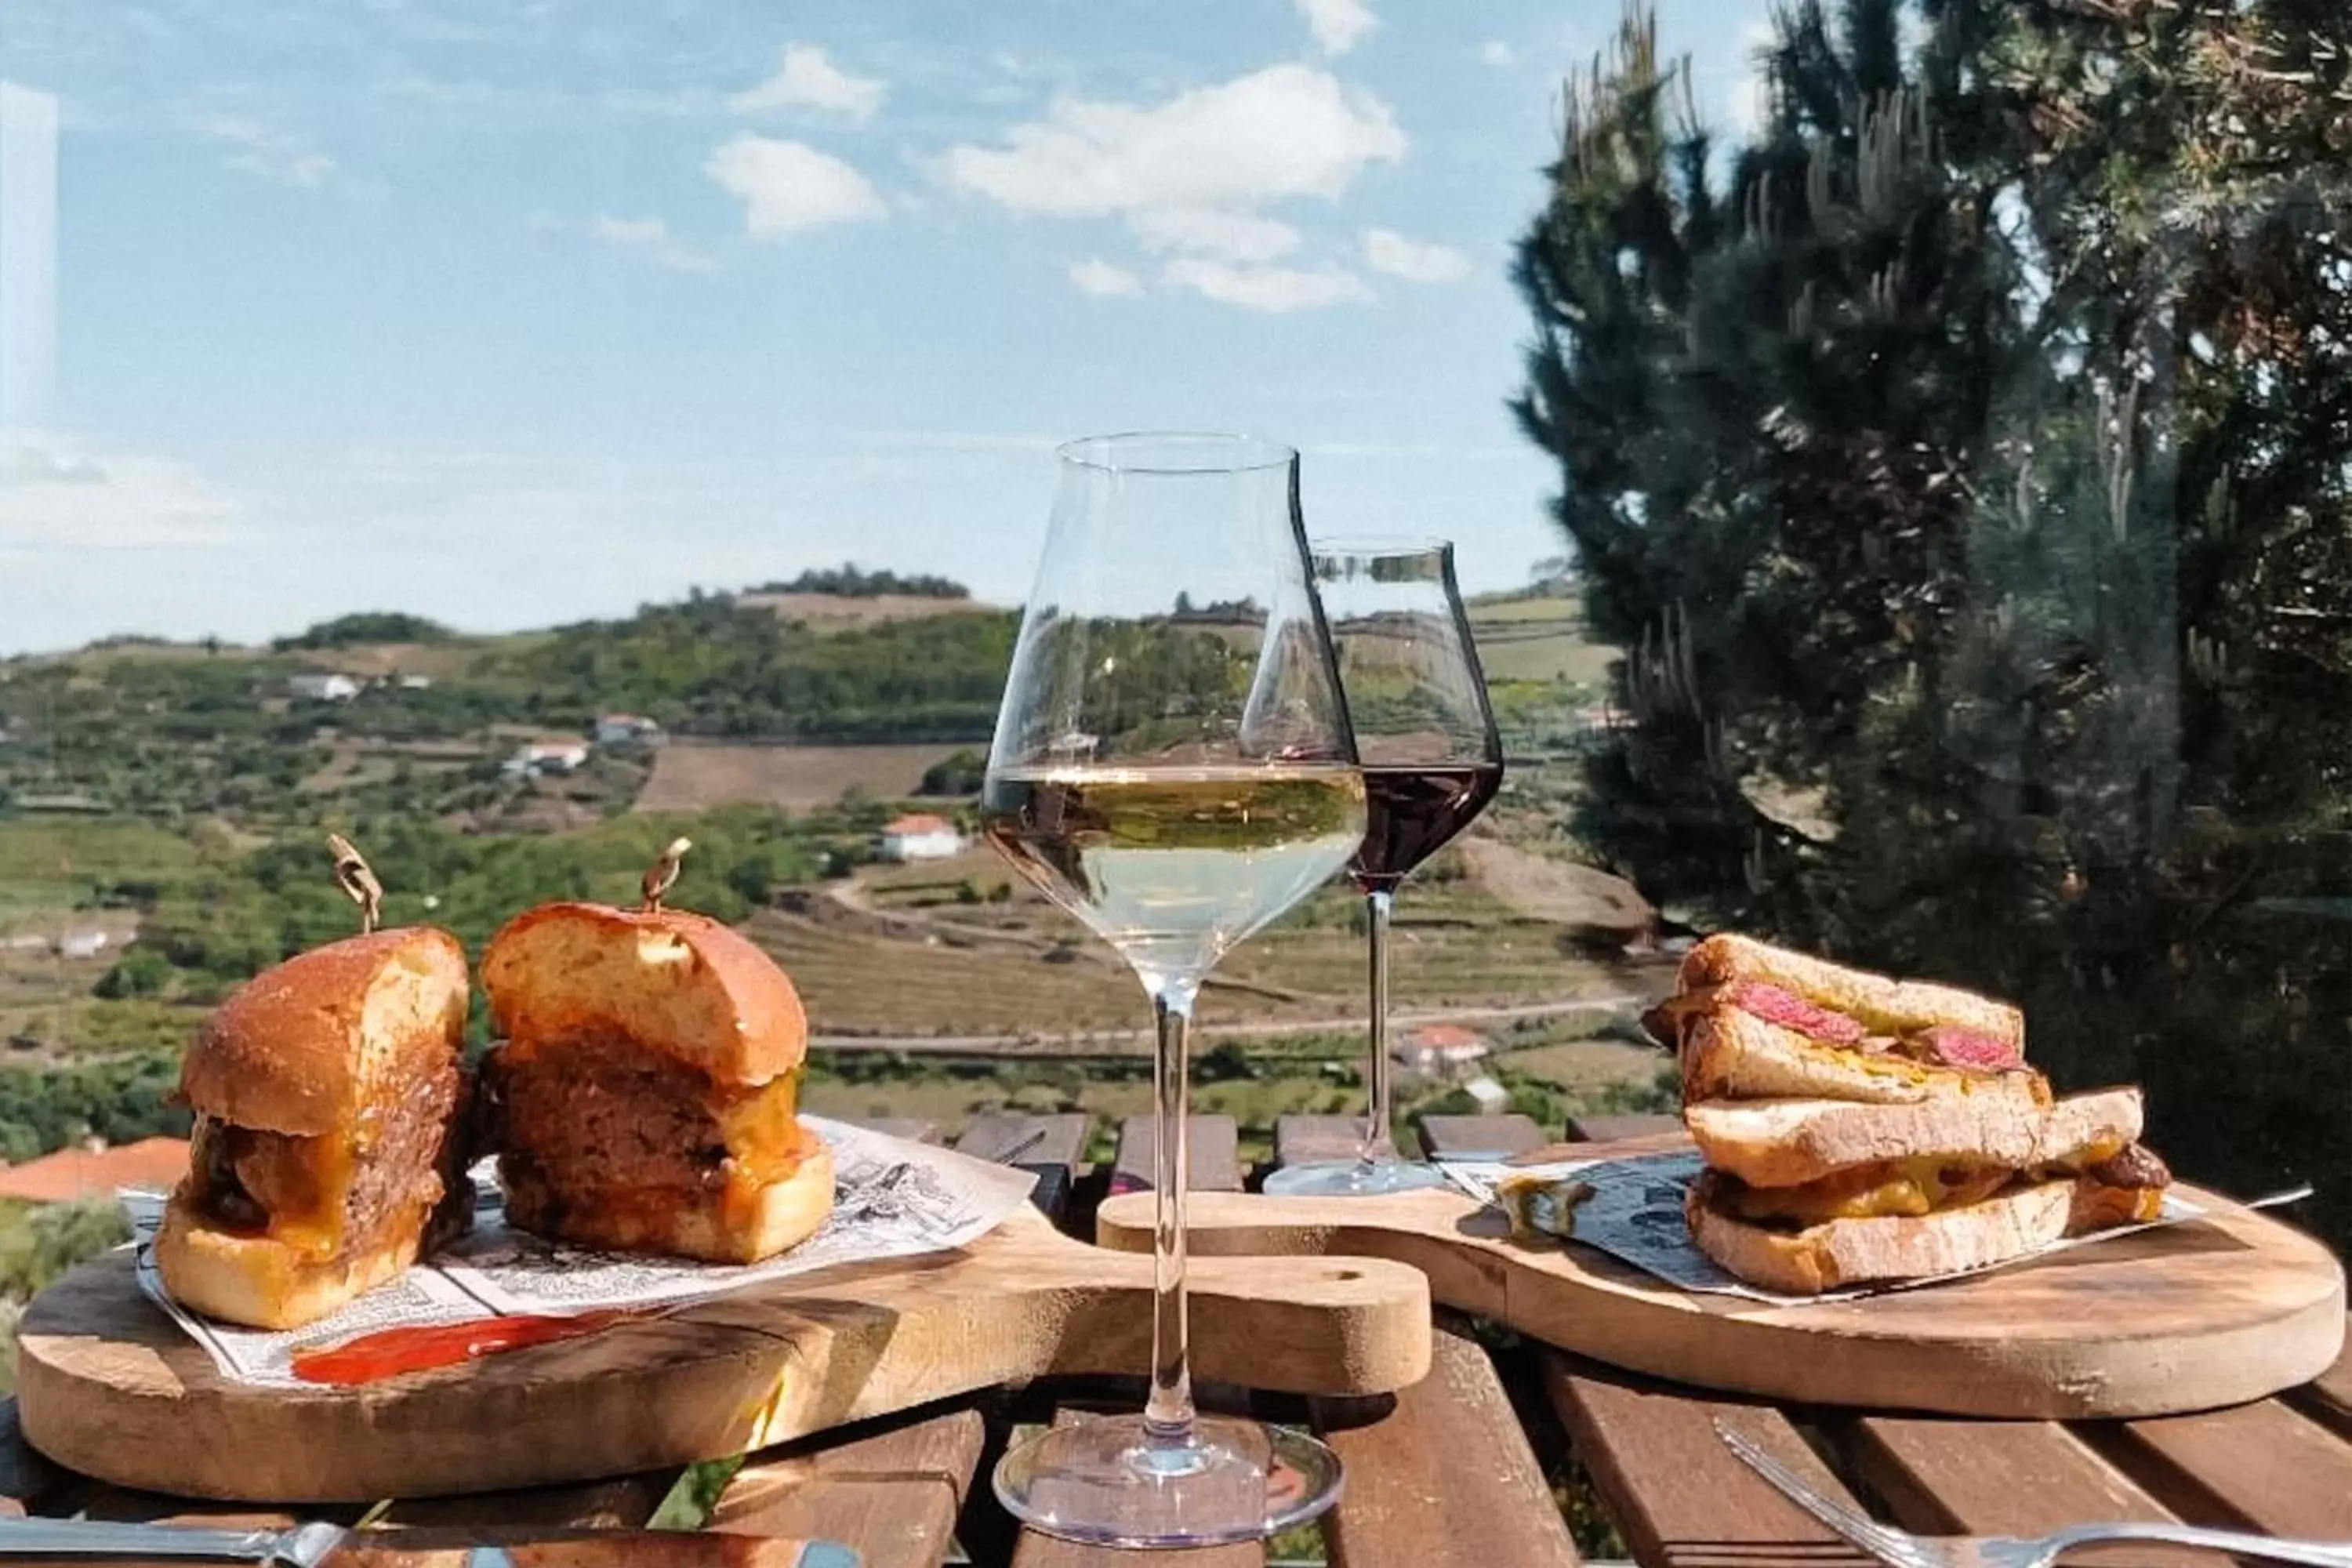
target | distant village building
[
  {"x": 81, "y": 944},
  {"x": 546, "y": 757},
  {"x": 156, "y": 1164},
  {"x": 314, "y": 686},
  {"x": 628, "y": 729},
  {"x": 1441, "y": 1050},
  {"x": 921, "y": 837},
  {"x": 1491, "y": 1097},
  {"x": 415, "y": 682},
  {"x": 80, "y": 805}
]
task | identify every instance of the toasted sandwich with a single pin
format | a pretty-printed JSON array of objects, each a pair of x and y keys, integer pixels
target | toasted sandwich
[
  {"x": 1859, "y": 1129},
  {"x": 328, "y": 1151},
  {"x": 645, "y": 1096}
]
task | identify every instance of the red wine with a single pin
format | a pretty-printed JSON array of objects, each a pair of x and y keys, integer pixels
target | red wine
[{"x": 1412, "y": 811}]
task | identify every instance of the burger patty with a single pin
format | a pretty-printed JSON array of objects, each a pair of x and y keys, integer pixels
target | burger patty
[
  {"x": 344, "y": 1187},
  {"x": 2137, "y": 1168},
  {"x": 603, "y": 1112},
  {"x": 412, "y": 1158}
]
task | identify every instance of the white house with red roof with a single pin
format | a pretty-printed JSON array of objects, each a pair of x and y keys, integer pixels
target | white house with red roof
[
  {"x": 920, "y": 835},
  {"x": 1442, "y": 1049}
]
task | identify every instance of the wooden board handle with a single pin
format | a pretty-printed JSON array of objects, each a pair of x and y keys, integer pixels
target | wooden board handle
[{"x": 108, "y": 1385}]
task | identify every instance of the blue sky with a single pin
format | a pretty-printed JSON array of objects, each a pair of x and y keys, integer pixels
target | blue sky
[{"x": 514, "y": 313}]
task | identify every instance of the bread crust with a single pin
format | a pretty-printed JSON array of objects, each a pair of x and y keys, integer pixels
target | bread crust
[
  {"x": 303, "y": 1045},
  {"x": 673, "y": 982},
  {"x": 260, "y": 1281},
  {"x": 1880, "y": 1002},
  {"x": 710, "y": 1226},
  {"x": 1858, "y": 1251},
  {"x": 1729, "y": 1054},
  {"x": 1841, "y": 1252},
  {"x": 1788, "y": 1142}
]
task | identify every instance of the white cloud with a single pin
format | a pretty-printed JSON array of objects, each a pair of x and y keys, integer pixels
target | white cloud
[
  {"x": 266, "y": 154},
  {"x": 1497, "y": 53},
  {"x": 652, "y": 236},
  {"x": 1284, "y": 132},
  {"x": 1337, "y": 24},
  {"x": 1105, "y": 281},
  {"x": 1275, "y": 290},
  {"x": 631, "y": 230},
  {"x": 1235, "y": 236},
  {"x": 55, "y": 494},
  {"x": 1385, "y": 250},
  {"x": 788, "y": 186},
  {"x": 807, "y": 79}
]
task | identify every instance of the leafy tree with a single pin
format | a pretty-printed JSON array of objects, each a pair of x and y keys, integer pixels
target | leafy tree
[
  {"x": 141, "y": 972},
  {"x": 361, "y": 627},
  {"x": 53, "y": 1238},
  {"x": 1960, "y": 463},
  {"x": 848, "y": 582},
  {"x": 960, "y": 773}
]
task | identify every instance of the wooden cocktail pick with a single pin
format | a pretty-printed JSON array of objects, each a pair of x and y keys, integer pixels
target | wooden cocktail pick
[
  {"x": 352, "y": 875},
  {"x": 663, "y": 874}
]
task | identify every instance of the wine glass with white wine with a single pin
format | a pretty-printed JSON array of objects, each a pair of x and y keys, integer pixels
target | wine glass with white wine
[{"x": 1172, "y": 765}]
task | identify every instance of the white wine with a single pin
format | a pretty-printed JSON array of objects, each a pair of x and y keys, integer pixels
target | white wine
[{"x": 1173, "y": 867}]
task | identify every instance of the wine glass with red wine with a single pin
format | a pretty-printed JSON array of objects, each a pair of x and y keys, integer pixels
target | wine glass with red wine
[{"x": 1431, "y": 760}]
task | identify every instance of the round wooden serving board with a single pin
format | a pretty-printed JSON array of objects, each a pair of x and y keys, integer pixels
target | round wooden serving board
[
  {"x": 110, "y": 1386},
  {"x": 2229, "y": 1307}
]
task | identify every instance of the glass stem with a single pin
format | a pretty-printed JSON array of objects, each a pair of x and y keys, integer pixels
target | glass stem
[
  {"x": 1168, "y": 1413},
  {"x": 1378, "y": 1148}
]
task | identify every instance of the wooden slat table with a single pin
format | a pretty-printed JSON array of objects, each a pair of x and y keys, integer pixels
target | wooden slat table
[
  {"x": 1466, "y": 1469},
  {"x": 1479, "y": 1137},
  {"x": 1212, "y": 1155}
]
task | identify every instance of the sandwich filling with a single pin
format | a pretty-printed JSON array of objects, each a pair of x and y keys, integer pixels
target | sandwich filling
[
  {"x": 1942, "y": 1045},
  {"x": 338, "y": 1194},
  {"x": 1913, "y": 1187},
  {"x": 599, "y": 1121}
]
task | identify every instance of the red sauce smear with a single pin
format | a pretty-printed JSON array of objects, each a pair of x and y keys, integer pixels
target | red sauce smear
[
  {"x": 389, "y": 1353},
  {"x": 1792, "y": 1011},
  {"x": 1956, "y": 1046}
]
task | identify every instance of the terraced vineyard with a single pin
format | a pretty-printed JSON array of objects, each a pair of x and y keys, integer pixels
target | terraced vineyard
[{"x": 960, "y": 951}]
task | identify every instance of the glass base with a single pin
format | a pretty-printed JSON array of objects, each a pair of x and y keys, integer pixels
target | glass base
[
  {"x": 1353, "y": 1178},
  {"x": 1101, "y": 1479}
]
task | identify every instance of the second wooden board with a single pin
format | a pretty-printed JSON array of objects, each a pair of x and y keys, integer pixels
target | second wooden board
[
  {"x": 2229, "y": 1307},
  {"x": 110, "y": 1386}
]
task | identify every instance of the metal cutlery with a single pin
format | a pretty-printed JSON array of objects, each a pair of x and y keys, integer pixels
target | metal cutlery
[
  {"x": 1904, "y": 1550},
  {"x": 304, "y": 1546}
]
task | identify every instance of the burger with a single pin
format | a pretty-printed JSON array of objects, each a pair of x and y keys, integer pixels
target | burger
[
  {"x": 328, "y": 1152},
  {"x": 1859, "y": 1129},
  {"x": 645, "y": 1094}
]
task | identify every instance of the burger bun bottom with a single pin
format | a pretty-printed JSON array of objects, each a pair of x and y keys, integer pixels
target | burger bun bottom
[
  {"x": 262, "y": 1282},
  {"x": 710, "y": 1226}
]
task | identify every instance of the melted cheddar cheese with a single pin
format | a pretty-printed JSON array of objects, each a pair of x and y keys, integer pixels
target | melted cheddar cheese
[
  {"x": 761, "y": 1128},
  {"x": 1893, "y": 1188}
]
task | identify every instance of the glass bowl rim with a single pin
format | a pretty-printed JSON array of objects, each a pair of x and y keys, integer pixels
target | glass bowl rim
[
  {"x": 1378, "y": 545},
  {"x": 1243, "y": 453}
]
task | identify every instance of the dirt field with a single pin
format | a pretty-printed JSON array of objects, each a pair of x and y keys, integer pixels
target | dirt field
[
  {"x": 1581, "y": 1065},
  {"x": 688, "y": 776},
  {"x": 826, "y": 612},
  {"x": 355, "y": 762},
  {"x": 1538, "y": 639},
  {"x": 1559, "y": 891}
]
